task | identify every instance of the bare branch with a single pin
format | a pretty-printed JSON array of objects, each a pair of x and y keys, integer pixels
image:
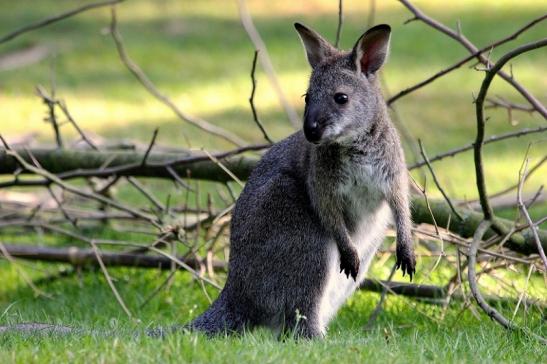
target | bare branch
[
  {"x": 524, "y": 210},
  {"x": 49, "y": 101},
  {"x": 437, "y": 183},
  {"x": 265, "y": 61},
  {"x": 252, "y": 98},
  {"x": 340, "y": 22},
  {"x": 44, "y": 22},
  {"x": 479, "y": 103},
  {"x": 472, "y": 277},
  {"x": 109, "y": 280},
  {"x": 460, "y": 38},
  {"x": 491, "y": 139},
  {"x": 151, "y": 88}
]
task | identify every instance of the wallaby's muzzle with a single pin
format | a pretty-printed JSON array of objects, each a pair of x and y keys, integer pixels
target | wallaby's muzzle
[{"x": 313, "y": 126}]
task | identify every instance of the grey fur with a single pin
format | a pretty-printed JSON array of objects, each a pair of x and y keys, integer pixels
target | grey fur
[{"x": 305, "y": 198}]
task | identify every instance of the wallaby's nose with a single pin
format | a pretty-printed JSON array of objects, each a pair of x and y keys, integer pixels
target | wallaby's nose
[
  {"x": 312, "y": 128},
  {"x": 312, "y": 132}
]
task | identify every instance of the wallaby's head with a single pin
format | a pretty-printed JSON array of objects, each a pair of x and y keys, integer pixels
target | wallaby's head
[{"x": 343, "y": 98}]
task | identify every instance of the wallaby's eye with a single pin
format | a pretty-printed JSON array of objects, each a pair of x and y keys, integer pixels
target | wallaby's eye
[{"x": 340, "y": 98}]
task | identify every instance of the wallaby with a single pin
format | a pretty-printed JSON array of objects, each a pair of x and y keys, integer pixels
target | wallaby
[{"x": 316, "y": 207}]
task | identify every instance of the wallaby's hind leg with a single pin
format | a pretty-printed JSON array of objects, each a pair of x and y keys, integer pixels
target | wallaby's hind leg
[{"x": 219, "y": 320}]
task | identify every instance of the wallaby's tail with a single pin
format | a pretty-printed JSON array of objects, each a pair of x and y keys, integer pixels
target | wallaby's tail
[
  {"x": 219, "y": 319},
  {"x": 32, "y": 328}
]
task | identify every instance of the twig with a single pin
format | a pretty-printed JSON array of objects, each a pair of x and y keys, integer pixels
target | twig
[
  {"x": 55, "y": 18},
  {"x": 472, "y": 277},
  {"x": 374, "y": 315},
  {"x": 252, "y": 97},
  {"x": 109, "y": 280},
  {"x": 150, "y": 146},
  {"x": 6, "y": 254},
  {"x": 135, "y": 183},
  {"x": 530, "y": 172},
  {"x": 85, "y": 138},
  {"x": 371, "y": 13},
  {"x": 460, "y": 38},
  {"x": 151, "y": 88},
  {"x": 78, "y": 191},
  {"x": 437, "y": 183},
  {"x": 465, "y": 60},
  {"x": 479, "y": 103},
  {"x": 472, "y": 261},
  {"x": 265, "y": 61},
  {"x": 340, "y": 22},
  {"x": 52, "y": 117},
  {"x": 501, "y": 103},
  {"x": 491, "y": 139},
  {"x": 524, "y": 210},
  {"x": 224, "y": 168}
]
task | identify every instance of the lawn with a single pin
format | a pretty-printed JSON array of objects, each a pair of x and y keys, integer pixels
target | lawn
[{"x": 199, "y": 55}]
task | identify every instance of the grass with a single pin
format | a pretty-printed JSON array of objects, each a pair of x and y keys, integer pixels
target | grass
[{"x": 200, "y": 56}]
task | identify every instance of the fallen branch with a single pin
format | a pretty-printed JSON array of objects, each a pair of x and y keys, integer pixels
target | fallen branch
[
  {"x": 67, "y": 164},
  {"x": 79, "y": 257}
]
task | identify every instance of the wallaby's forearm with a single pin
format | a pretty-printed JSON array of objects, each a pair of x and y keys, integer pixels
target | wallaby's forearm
[
  {"x": 400, "y": 206},
  {"x": 349, "y": 258}
]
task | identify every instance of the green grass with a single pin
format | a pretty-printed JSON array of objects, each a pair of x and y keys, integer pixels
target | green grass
[
  {"x": 198, "y": 54},
  {"x": 405, "y": 330}
]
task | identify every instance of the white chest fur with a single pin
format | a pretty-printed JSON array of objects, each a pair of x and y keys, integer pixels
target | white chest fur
[{"x": 374, "y": 214}]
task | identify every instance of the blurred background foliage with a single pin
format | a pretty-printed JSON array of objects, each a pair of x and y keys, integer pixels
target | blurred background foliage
[{"x": 199, "y": 54}]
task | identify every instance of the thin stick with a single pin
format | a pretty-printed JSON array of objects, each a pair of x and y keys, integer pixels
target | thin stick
[
  {"x": 9, "y": 258},
  {"x": 55, "y": 18},
  {"x": 524, "y": 210},
  {"x": 460, "y": 38},
  {"x": 479, "y": 103},
  {"x": 151, "y": 88},
  {"x": 78, "y": 191},
  {"x": 472, "y": 277},
  {"x": 252, "y": 97},
  {"x": 85, "y": 138},
  {"x": 109, "y": 280},
  {"x": 491, "y": 139},
  {"x": 52, "y": 117},
  {"x": 437, "y": 183},
  {"x": 224, "y": 168},
  {"x": 150, "y": 146},
  {"x": 340, "y": 22},
  {"x": 265, "y": 61},
  {"x": 465, "y": 60},
  {"x": 374, "y": 315}
]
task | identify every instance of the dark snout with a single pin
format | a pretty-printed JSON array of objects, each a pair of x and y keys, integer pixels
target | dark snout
[{"x": 313, "y": 125}]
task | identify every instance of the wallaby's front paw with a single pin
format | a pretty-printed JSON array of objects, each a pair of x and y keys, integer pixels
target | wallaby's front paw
[
  {"x": 349, "y": 263},
  {"x": 406, "y": 259}
]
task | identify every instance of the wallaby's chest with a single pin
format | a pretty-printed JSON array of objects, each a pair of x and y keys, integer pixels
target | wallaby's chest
[{"x": 361, "y": 188}]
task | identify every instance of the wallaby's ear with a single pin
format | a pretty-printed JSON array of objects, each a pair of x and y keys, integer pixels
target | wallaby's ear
[
  {"x": 370, "y": 52},
  {"x": 317, "y": 48}
]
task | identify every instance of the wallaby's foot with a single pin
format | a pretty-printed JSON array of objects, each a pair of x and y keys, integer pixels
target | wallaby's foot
[
  {"x": 349, "y": 263},
  {"x": 406, "y": 259},
  {"x": 303, "y": 327}
]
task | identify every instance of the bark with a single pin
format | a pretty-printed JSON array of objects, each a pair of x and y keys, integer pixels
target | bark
[{"x": 59, "y": 161}]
